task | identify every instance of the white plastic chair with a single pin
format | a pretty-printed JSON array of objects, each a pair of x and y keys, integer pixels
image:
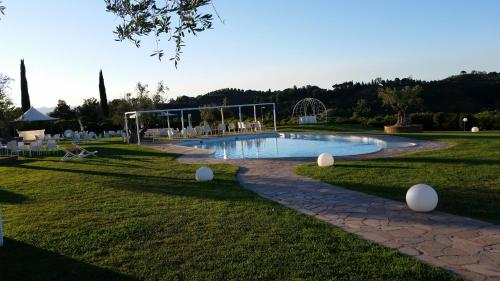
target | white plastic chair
[
  {"x": 24, "y": 148},
  {"x": 3, "y": 148},
  {"x": 259, "y": 126},
  {"x": 206, "y": 129},
  {"x": 221, "y": 128},
  {"x": 51, "y": 146},
  {"x": 76, "y": 137},
  {"x": 12, "y": 148},
  {"x": 248, "y": 126},
  {"x": 241, "y": 127},
  {"x": 37, "y": 147}
]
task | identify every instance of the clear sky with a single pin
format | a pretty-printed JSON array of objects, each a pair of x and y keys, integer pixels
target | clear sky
[{"x": 263, "y": 44}]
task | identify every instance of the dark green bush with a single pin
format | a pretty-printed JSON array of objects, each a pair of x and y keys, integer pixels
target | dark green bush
[
  {"x": 487, "y": 120},
  {"x": 425, "y": 119}
]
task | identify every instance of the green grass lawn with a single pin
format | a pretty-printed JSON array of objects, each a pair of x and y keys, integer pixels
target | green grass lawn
[
  {"x": 466, "y": 176},
  {"x": 136, "y": 214}
]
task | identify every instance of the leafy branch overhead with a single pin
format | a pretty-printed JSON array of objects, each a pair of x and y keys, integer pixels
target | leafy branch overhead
[
  {"x": 2, "y": 8},
  {"x": 170, "y": 19}
]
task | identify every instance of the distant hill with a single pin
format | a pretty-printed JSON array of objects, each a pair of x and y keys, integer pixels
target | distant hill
[
  {"x": 45, "y": 109},
  {"x": 464, "y": 93}
]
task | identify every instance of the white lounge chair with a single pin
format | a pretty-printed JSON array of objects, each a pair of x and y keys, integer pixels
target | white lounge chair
[{"x": 74, "y": 151}]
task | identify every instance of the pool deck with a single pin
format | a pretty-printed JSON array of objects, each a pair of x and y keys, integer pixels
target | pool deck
[{"x": 467, "y": 247}]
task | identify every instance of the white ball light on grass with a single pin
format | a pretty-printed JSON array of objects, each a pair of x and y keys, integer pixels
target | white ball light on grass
[
  {"x": 325, "y": 160},
  {"x": 421, "y": 198},
  {"x": 474, "y": 129},
  {"x": 204, "y": 174}
]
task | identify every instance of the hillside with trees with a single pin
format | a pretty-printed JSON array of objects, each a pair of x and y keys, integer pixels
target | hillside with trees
[{"x": 442, "y": 103}]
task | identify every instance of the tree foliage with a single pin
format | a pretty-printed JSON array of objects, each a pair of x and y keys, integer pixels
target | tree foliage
[
  {"x": 401, "y": 100},
  {"x": 90, "y": 110},
  {"x": 172, "y": 19},
  {"x": 2, "y": 8},
  {"x": 140, "y": 99},
  {"x": 63, "y": 111},
  {"x": 8, "y": 112},
  {"x": 6, "y": 105}
]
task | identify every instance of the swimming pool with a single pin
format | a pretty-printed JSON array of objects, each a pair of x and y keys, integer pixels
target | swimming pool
[{"x": 278, "y": 145}]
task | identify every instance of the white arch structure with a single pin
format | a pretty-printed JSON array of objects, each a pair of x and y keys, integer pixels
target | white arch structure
[
  {"x": 310, "y": 111},
  {"x": 167, "y": 112}
]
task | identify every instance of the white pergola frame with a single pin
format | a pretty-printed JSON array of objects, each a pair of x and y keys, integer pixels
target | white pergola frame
[
  {"x": 181, "y": 110},
  {"x": 317, "y": 107}
]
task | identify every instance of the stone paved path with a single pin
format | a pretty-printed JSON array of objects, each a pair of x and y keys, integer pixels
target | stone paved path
[{"x": 467, "y": 247}]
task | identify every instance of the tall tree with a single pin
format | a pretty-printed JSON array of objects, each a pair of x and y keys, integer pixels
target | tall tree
[
  {"x": 401, "y": 100},
  {"x": 102, "y": 94},
  {"x": 25, "y": 96}
]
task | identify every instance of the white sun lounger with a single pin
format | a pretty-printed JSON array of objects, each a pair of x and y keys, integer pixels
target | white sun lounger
[{"x": 74, "y": 151}]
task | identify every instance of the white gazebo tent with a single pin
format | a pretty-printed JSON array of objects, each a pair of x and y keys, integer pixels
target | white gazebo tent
[
  {"x": 32, "y": 115},
  {"x": 137, "y": 114}
]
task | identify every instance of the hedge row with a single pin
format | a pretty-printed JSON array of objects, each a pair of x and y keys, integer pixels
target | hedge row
[{"x": 486, "y": 120}]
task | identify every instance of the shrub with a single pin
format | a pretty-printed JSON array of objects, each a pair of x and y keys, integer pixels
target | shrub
[
  {"x": 487, "y": 120},
  {"x": 423, "y": 118}
]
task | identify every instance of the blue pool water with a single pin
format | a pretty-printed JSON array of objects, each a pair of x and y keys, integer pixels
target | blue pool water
[{"x": 290, "y": 145}]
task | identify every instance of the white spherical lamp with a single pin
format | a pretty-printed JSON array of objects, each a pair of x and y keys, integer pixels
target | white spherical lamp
[
  {"x": 325, "y": 160},
  {"x": 474, "y": 129},
  {"x": 421, "y": 198},
  {"x": 204, "y": 174}
]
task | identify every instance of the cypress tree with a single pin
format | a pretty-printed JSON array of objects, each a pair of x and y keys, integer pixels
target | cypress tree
[
  {"x": 25, "y": 96},
  {"x": 102, "y": 94}
]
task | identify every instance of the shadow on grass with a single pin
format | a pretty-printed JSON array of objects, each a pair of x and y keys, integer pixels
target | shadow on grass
[
  {"x": 440, "y": 136},
  {"x": 139, "y": 151},
  {"x": 447, "y": 160},
  {"x": 20, "y": 261},
  {"x": 11, "y": 197},
  {"x": 362, "y": 166},
  {"x": 108, "y": 154},
  {"x": 158, "y": 184}
]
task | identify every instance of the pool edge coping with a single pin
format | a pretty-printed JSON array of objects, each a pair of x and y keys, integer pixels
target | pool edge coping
[{"x": 187, "y": 152}]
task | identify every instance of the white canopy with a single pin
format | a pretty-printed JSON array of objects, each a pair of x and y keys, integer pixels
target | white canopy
[{"x": 33, "y": 114}]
